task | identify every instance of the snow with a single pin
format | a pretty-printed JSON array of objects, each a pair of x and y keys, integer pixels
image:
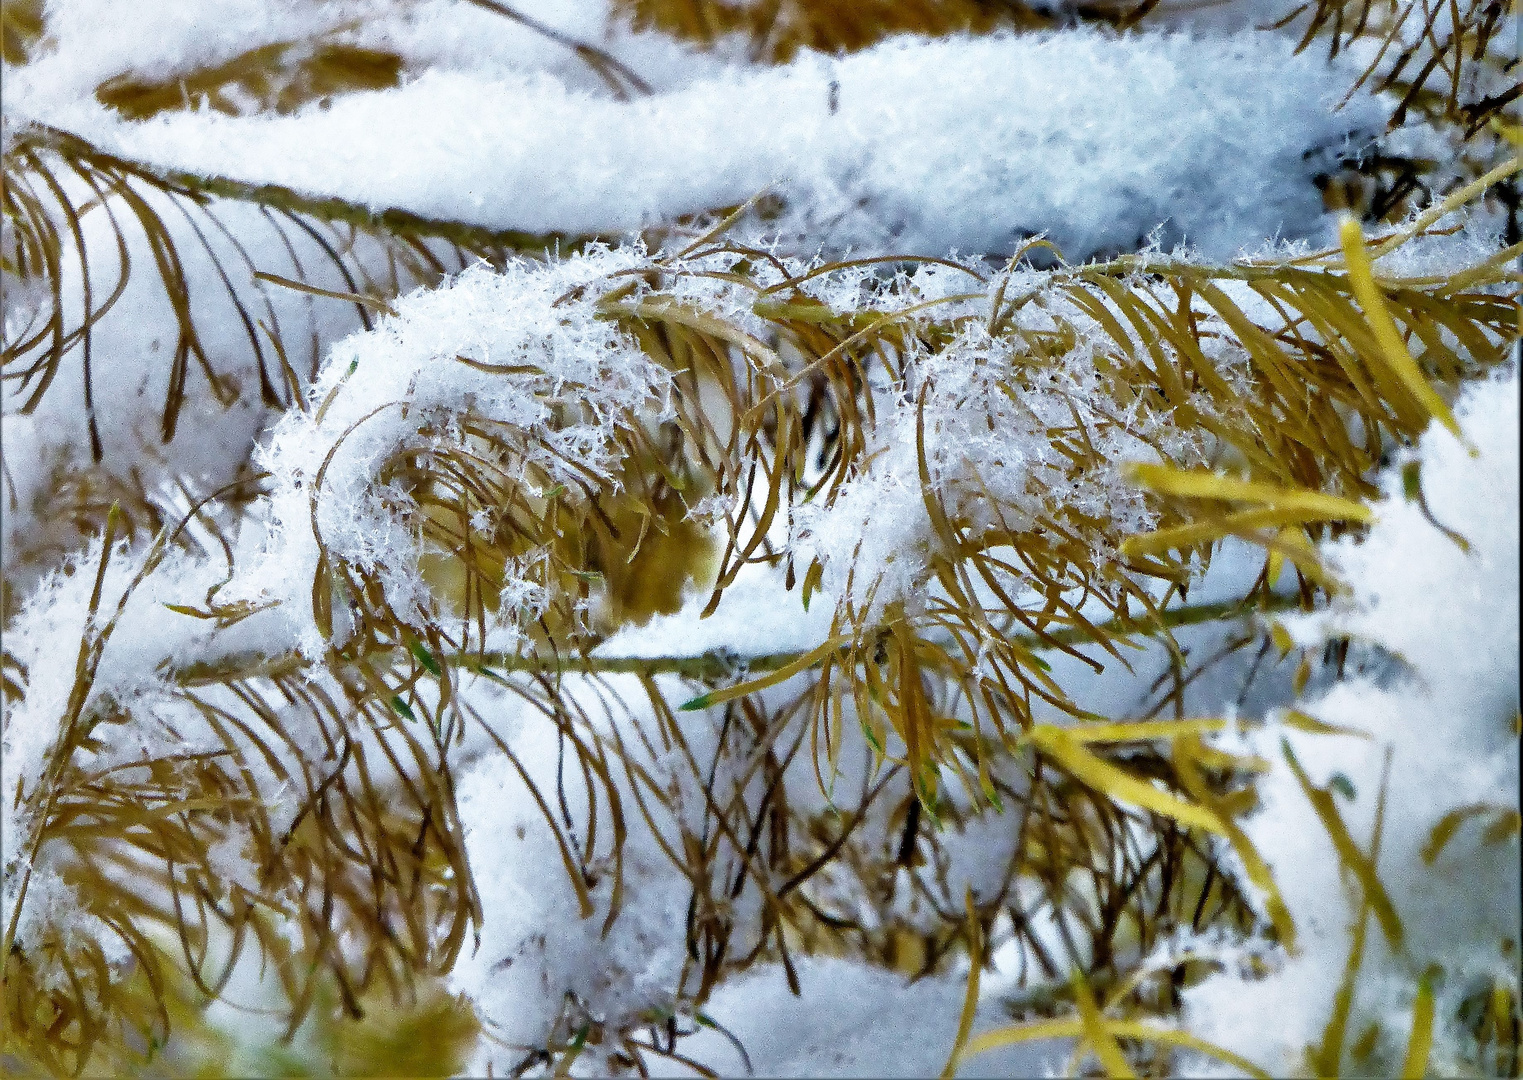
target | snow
[
  {"x": 988, "y": 455},
  {"x": 598, "y": 903},
  {"x": 403, "y": 388},
  {"x": 923, "y": 146},
  {"x": 850, "y": 1020},
  {"x": 126, "y": 687},
  {"x": 134, "y": 345},
  {"x": 544, "y": 968},
  {"x": 1449, "y": 726}
]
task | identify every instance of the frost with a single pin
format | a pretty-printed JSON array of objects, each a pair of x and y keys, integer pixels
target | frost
[{"x": 962, "y": 429}]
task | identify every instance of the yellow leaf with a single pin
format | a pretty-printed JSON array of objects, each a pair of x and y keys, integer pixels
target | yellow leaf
[
  {"x": 1097, "y": 1034},
  {"x": 1447, "y": 826},
  {"x": 1302, "y": 722},
  {"x": 970, "y": 999},
  {"x": 1302, "y": 676},
  {"x": 1272, "y": 569},
  {"x": 1142, "y": 731},
  {"x": 1349, "y": 854},
  {"x": 1120, "y": 1029},
  {"x": 1242, "y": 523},
  {"x": 772, "y": 678},
  {"x": 1511, "y": 132},
  {"x": 1502, "y": 826},
  {"x": 1187, "y": 752}
]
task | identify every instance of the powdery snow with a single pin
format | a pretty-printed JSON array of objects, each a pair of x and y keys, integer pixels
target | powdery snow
[
  {"x": 910, "y": 146},
  {"x": 1449, "y": 723}
]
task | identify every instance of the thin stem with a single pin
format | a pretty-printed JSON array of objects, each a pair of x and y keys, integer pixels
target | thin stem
[
  {"x": 324, "y": 208},
  {"x": 710, "y": 667}
]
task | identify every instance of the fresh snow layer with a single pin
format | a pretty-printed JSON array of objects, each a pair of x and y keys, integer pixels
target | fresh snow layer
[
  {"x": 1448, "y": 719},
  {"x": 853, "y": 1020},
  {"x": 911, "y": 146},
  {"x": 84, "y": 45},
  {"x": 132, "y": 368}
]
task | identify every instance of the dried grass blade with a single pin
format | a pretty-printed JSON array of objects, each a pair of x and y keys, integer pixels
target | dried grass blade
[
  {"x": 1349, "y": 854},
  {"x": 1393, "y": 350},
  {"x": 782, "y": 674},
  {"x": 1118, "y": 784},
  {"x": 1414, "y": 1065}
]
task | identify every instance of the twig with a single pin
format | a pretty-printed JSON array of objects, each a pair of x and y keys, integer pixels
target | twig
[{"x": 710, "y": 667}]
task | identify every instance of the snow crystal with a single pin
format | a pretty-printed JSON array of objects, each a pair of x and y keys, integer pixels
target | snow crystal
[
  {"x": 988, "y": 455},
  {"x": 397, "y": 389}
]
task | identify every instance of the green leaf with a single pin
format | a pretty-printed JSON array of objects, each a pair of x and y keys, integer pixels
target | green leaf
[
  {"x": 872, "y": 739},
  {"x": 425, "y": 658},
  {"x": 482, "y": 669},
  {"x": 402, "y": 708},
  {"x": 992, "y": 794},
  {"x": 1411, "y": 481}
]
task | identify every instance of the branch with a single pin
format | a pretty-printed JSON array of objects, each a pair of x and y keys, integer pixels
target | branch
[
  {"x": 712, "y": 667},
  {"x": 198, "y": 187}
]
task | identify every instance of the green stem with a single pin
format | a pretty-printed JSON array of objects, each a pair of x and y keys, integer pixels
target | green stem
[{"x": 711, "y": 667}]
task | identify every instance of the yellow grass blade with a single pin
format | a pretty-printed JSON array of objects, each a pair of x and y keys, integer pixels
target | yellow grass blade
[
  {"x": 1188, "y": 751},
  {"x": 1349, "y": 854},
  {"x": 1143, "y": 731},
  {"x": 970, "y": 999},
  {"x": 1199, "y": 484},
  {"x": 1180, "y": 537},
  {"x": 1393, "y": 349},
  {"x": 1447, "y": 826},
  {"x": 1415, "y": 1065},
  {"x": 1121, "y": 1029},
  {"x": 1511, "y": 132},
  {"x": 1098, "y": 1035},
  {"x": 1302, "y": 722},
  {"x": 1506, "y": 824},
  {"x": 772, "y": 678},
  {"x": 1451, "y": 203},
  {"x": 1120, "y": 785}
]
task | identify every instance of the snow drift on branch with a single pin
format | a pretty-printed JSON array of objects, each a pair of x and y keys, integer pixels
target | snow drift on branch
[{"x": 912, "y": 145}]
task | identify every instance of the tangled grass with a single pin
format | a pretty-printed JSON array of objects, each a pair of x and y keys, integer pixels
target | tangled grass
[{"x": 1259, "y": 396}]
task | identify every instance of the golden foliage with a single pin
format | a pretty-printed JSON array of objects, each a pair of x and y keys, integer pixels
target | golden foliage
[
  {"x": 778, "y": 29},
  {"x": 276, "y": 78},
  {"x": 375, "y": 855}
]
